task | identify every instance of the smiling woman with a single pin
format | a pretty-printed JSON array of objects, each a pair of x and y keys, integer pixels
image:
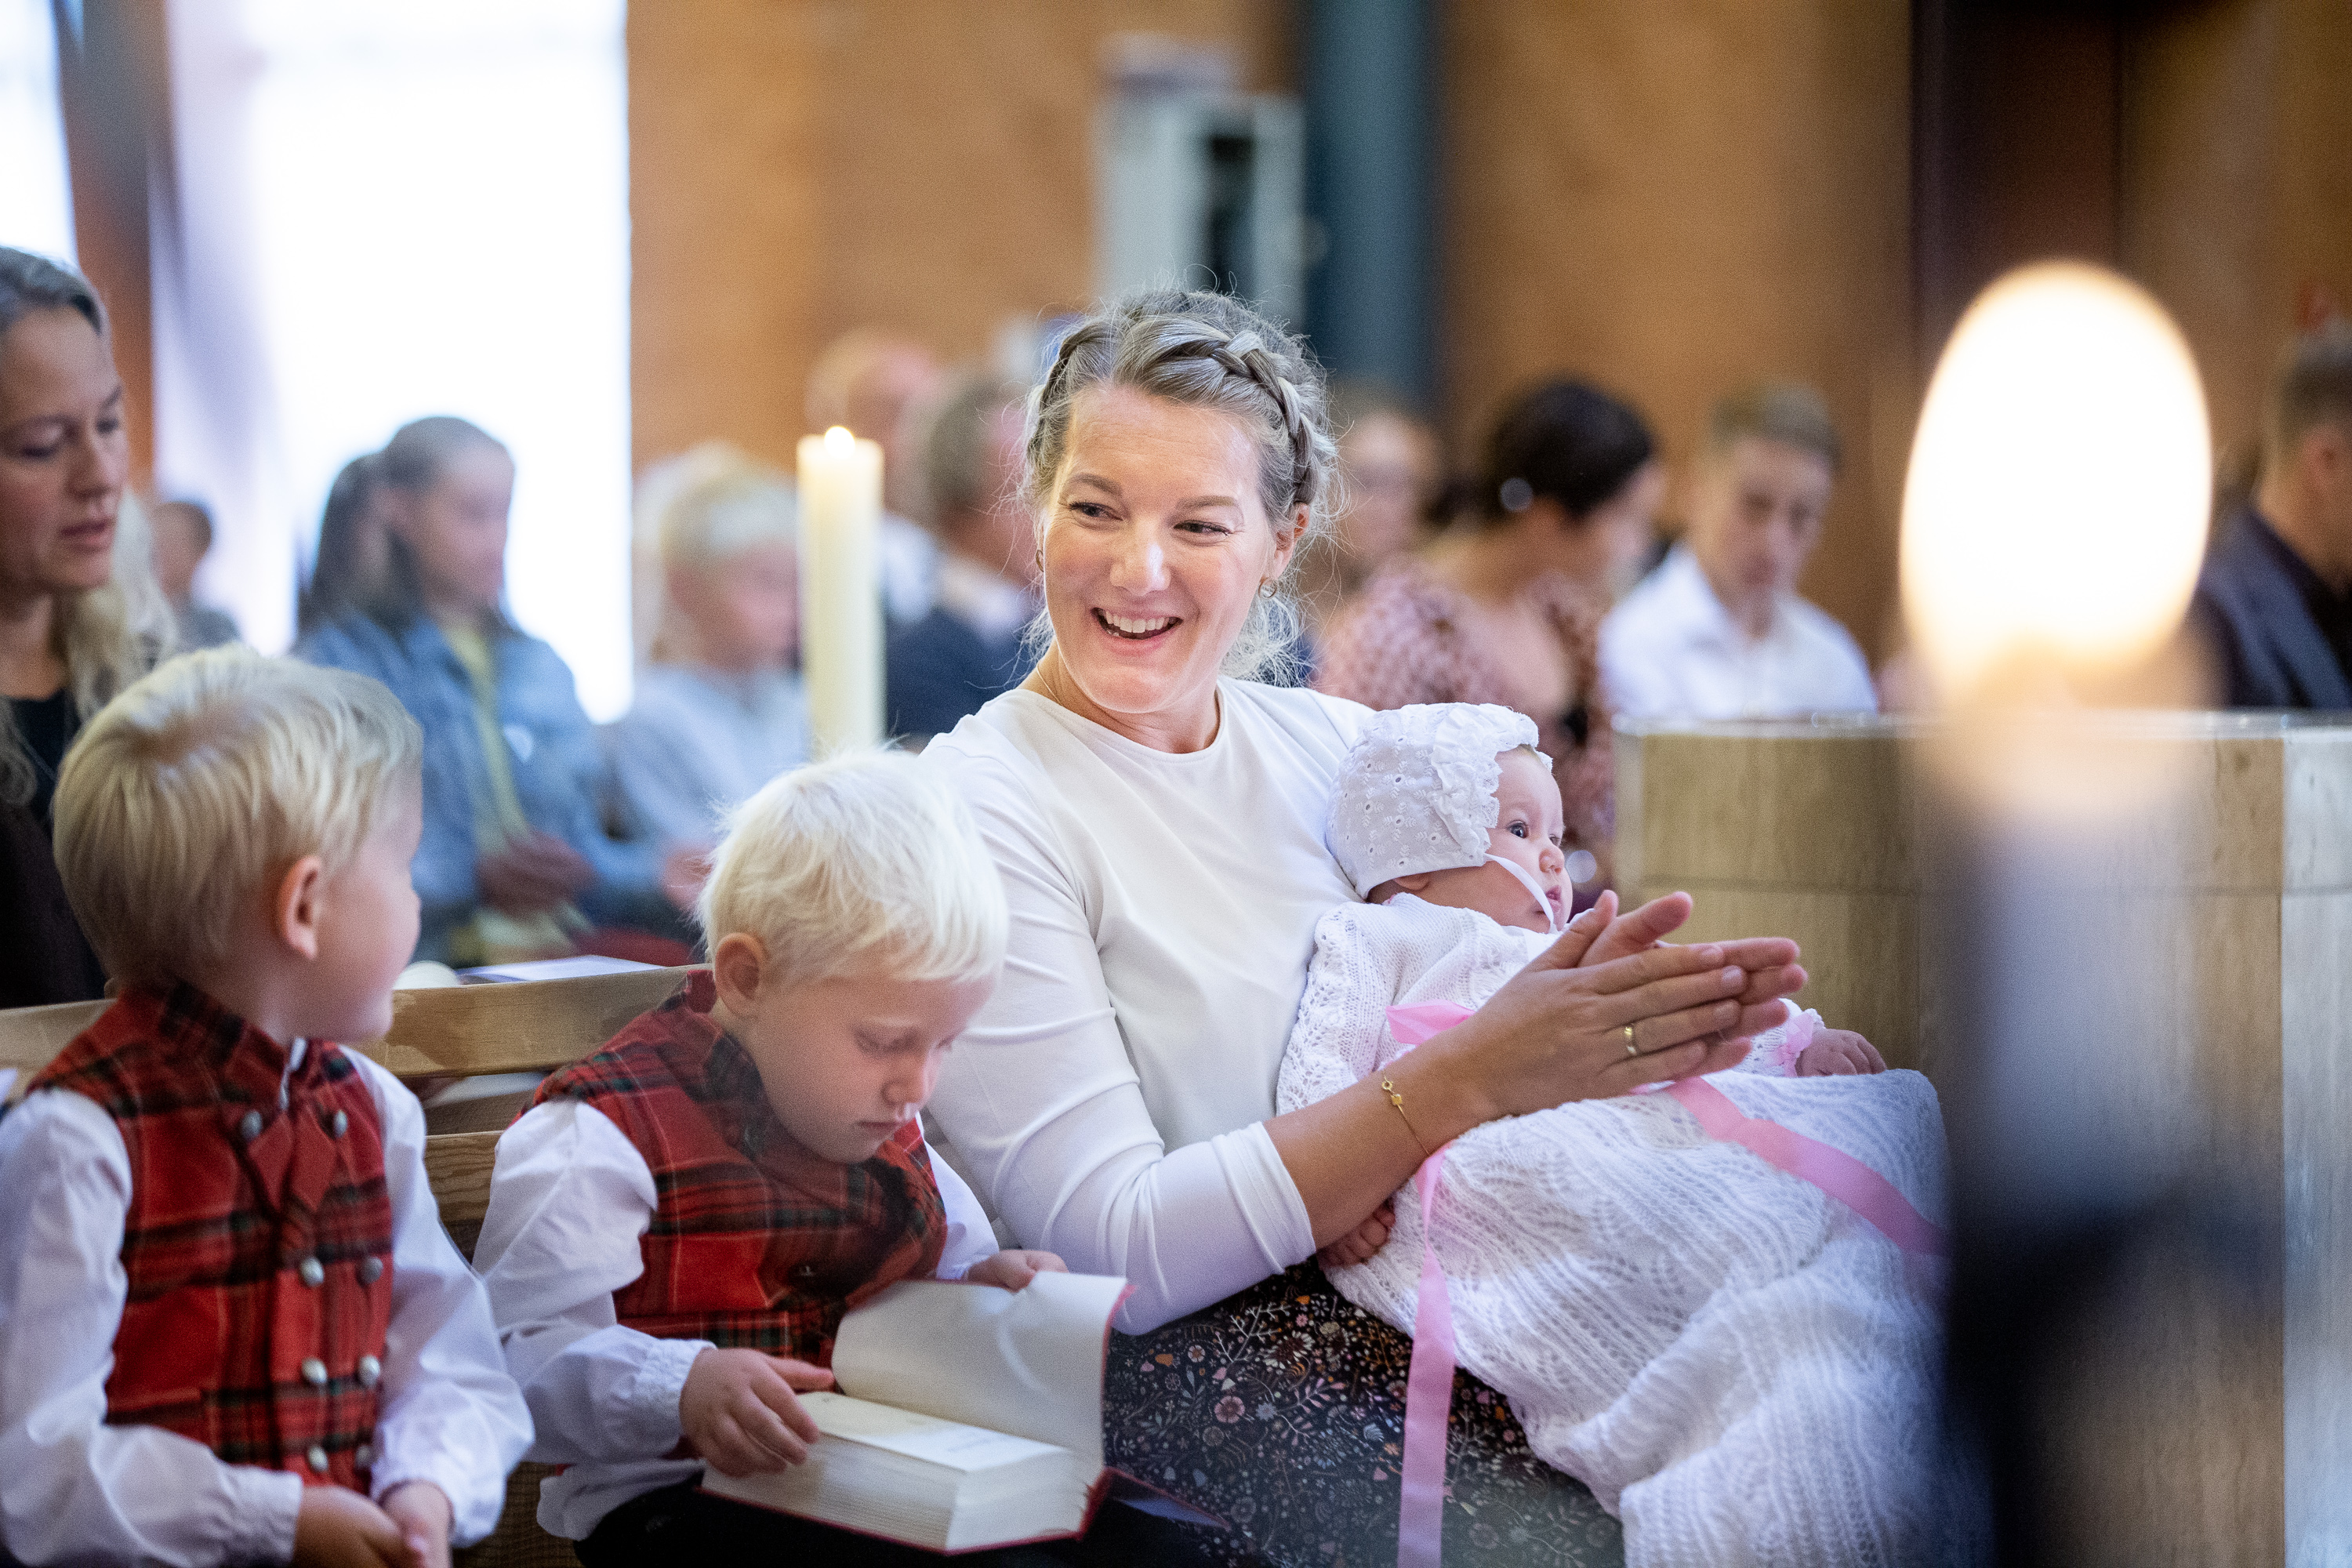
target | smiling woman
[
  {"x": 1157, "y": 815},
  {"x": 80, "y": 615}
]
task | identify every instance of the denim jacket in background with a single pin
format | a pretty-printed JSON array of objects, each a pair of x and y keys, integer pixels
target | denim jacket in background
[{"x": 551, "y": 748}]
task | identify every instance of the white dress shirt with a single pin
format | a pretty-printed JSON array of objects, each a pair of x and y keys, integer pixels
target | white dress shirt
[
  {"x": 79, "y": 1490},
  {"x": 570, "y": 1196},
  {"x": 909, "y": 563},
  {"x": 984, "y": 600},
  {"x": 1671, "y": 650},
  {"x": 1110, "y": 1097}
]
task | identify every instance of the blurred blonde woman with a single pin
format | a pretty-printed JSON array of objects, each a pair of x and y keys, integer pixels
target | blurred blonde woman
[
  {"x": 81, "y": 613},
  {"x": 719, "y": 711}
]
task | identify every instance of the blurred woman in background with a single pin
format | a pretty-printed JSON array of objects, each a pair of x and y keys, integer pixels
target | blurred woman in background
[
  {"x": 1507, "y": 608},
  {"x": 1388, "y": 475},
  {"x": 347, "y": 570},
  {"x": 81, "y": 613},
  {"x": 514, "y": 863},
  {"x": 719, "y": 709}
]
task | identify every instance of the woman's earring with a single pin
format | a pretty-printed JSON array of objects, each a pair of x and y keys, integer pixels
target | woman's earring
[{"x": 1265, "y": 589}]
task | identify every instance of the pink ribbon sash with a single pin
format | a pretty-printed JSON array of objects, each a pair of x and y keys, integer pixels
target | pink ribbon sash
[
  {"x": 1835, "y": 1171},
  {"x": 1429, "y": 1385},
  {"x": 1428, "y": 1396}
]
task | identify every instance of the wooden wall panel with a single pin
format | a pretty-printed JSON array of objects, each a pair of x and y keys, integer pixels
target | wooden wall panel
[
  {"x": 800, "y": 167},
  {"x": 2237, "y": 179},
  {"x": 725, "y": 210},
  {"x": 1669, "y": 198},
  {"x": 1672, "y": 198}
]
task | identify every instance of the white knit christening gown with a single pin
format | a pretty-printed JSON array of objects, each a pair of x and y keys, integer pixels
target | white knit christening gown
[{"x": 1740, "y": 1366}]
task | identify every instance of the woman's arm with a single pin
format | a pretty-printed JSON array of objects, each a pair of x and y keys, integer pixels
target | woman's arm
[
  {"x": 1040, "y": 1099},
  {"x": 1554, "y": 1034}
]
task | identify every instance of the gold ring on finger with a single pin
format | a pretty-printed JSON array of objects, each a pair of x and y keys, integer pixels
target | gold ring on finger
[{"x": 1631, "y": 1048}]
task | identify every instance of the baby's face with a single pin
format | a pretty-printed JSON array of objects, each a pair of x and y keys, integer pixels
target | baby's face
[{"x": 1528, "y": 832}]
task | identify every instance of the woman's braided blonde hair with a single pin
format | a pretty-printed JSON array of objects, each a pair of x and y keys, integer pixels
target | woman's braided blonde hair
[{"x": 1208, "y": 351}]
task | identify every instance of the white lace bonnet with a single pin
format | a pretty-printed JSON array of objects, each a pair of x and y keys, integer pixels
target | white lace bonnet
[{"x": 1417, "y": 791}]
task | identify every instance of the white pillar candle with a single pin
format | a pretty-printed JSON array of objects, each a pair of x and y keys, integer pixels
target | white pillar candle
[{"x": 841, "y": 589}]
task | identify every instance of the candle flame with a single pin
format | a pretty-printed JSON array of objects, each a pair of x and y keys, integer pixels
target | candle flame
[
  {"x": 838, "y": 440},
  {"x": 2054, "y": 515}
]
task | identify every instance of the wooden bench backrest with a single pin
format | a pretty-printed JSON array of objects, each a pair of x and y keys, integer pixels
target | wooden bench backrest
[{"x": 455, "y": 1031}]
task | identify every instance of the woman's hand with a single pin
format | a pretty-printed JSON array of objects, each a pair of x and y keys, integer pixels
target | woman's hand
[
  {"x": 1642, "y": 929},
  {"x": 1568, "y": 1028}
]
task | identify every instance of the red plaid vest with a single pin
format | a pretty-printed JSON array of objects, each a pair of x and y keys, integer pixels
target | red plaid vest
[
  {"x": 754, "y": 1242},
  {"x": 258, "y": 1242}
]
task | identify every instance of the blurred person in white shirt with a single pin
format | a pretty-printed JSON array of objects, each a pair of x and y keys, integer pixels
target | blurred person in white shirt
[{"x": 1718, "y": 631}]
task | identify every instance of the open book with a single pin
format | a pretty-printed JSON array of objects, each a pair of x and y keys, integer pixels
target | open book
[{"x": 967, "y": 1418}]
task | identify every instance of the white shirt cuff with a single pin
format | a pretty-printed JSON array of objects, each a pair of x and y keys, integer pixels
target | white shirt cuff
[
  {"x": 660, "y": 1383},
  {"x": 262, "y": 1509}
]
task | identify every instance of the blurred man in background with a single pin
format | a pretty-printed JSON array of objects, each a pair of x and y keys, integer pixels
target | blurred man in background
[
  {"x": 1718, "y": 631},
  {"x": 968, "y": 648},
  {"x": 2274, "y": 604}
]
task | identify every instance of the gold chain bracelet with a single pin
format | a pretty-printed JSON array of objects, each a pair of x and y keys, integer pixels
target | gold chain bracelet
[{"x": 1397, "y": 1100}]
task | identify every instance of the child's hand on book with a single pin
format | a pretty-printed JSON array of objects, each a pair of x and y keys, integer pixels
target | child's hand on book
[
  {"x": 336, "y": 1528},
  {"x": 740, "y": 1415},
  {"x": 1359, "y": 1244},
  {"x": 1013, "y": 1267},
  {"x": 1839, "y": 1052}
]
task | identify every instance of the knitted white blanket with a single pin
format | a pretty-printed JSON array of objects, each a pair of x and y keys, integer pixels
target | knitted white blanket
[{"x": 1737, "y": 1366}]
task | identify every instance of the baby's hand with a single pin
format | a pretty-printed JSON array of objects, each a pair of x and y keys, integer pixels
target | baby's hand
[
  {"x": 739, "y": 1415},
  {"x": 1359, "y": 1244},
  {"x": 1839, "y": 1052},
  {"x": 1013, "y": 1267}
]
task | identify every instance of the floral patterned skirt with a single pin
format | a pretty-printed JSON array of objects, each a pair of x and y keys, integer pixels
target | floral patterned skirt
[{"x": 1281, "y": 1410}]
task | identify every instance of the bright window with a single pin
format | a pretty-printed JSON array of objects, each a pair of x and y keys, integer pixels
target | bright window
[
  {"x": 36, "y": 203},
  {"x": 395, "y": 208}
]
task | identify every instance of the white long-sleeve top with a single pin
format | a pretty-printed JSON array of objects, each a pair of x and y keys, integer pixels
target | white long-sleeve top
[
  {"x": 1109, "y": 1097},
  {"x": 570, "y": 1196},
  {"x": 75, "y": 1489}
]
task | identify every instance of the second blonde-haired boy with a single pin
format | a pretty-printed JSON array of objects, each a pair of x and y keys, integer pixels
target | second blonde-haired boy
[
  {"x": 232, "y": 1329},
  {"x": 677, "y": 1223}
]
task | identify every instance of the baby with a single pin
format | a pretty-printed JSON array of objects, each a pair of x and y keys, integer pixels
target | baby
[
  {"x": 1734, "y": 1361},
  {"x": 677, "y": 1223}
]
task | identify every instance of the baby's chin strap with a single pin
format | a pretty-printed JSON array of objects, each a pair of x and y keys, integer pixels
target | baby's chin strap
[{"x": 1552, "y": 912}]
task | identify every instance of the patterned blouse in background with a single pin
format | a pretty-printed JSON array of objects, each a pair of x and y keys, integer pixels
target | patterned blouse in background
[{"x": 1405, "y": 639}]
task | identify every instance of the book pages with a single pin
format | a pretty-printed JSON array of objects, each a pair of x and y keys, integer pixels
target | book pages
[{"x": 1027, "y": 1362}]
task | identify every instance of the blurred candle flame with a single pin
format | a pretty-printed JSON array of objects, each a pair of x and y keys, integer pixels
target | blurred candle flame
[
  {"x": 2055, "y": 514},
  {"x": 2053, "y": 524}
]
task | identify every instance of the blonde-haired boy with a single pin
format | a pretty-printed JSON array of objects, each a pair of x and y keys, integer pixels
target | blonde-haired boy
[
  {"x": 231, "y": 1327},
  {"x": 677, "y": 1223}
]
